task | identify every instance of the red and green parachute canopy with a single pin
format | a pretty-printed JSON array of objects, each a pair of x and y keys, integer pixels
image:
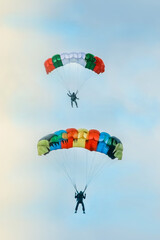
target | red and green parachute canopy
[{"x": 86, "y": 60}]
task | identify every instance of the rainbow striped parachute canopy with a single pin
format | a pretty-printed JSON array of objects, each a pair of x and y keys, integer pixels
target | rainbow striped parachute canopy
[
  {"x": 91, "y": 140},
  {"x": 86, "y": 60}
]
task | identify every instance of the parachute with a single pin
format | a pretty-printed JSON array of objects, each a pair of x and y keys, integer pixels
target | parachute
[
  {"x": 88, "y": 60},
  {"x": 90, "y": 140},
  {"x": 71, "y": 69}
]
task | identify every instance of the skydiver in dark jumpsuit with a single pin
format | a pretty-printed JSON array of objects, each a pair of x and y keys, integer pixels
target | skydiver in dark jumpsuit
[
  {"x": 73, "y": 98},
  {"x": 79, "y": 196}
]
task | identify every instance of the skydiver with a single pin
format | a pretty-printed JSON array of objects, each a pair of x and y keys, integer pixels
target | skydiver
[
  {"x": 73, "y": 98},
  {"x": 79, "y": 197}
]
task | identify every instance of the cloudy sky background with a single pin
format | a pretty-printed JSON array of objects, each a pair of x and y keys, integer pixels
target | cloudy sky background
[{"x": 36, "y": 200}]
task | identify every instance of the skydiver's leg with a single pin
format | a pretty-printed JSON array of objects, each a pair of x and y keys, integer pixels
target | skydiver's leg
[
  {"x": 72, "y": 103},
  {"x": 76, "y": 207},
  {"x": 76, "y": 103},
  {"x": 83, "y": 208}
]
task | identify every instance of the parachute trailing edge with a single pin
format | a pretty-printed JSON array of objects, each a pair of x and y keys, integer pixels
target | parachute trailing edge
[
  {"x": 91, "y": 140},
  {"x": 86, "y": 60}
]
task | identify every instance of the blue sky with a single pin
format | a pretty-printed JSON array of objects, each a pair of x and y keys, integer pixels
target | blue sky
[{"x": 36, "y": 200}]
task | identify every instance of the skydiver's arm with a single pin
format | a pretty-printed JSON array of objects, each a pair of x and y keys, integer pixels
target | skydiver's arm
[
  {"x": 76, "y": 95},
  {"x": 69, "y": 94},
  {"x": 84, "y": 196}
]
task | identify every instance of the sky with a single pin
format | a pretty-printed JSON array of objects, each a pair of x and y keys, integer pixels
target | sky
[{"x": 36, "y": 199}]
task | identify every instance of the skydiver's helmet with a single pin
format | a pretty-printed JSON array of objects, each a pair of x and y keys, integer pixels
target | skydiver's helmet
[
  {"x": 73, "y": 93},
  {"x": 81, "y": 192}
]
